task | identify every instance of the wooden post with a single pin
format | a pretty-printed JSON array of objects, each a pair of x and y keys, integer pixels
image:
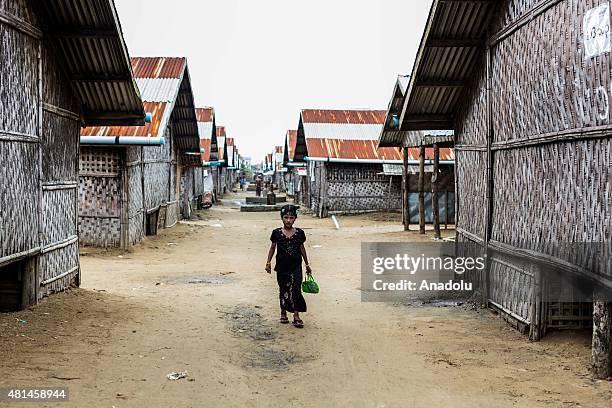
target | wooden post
[
  {"x": 601, "y": 353},
  {"x": 422, "y": 190},
  {"x": 435, "y": 208},
  {"x": 405, "y": 191}
]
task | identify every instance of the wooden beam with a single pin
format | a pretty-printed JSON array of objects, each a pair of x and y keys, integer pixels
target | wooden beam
[
  {"x": 405, "y": 191},
  {"x": 427, "y": 118},
  {"x": 422, "y": 190},
  {"x": 454, "y": 42},
  {"x": 601, "y": 350},
  {"x": 435, "y": 208}
]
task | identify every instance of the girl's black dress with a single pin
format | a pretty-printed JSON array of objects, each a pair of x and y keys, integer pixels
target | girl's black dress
[{"x": 289, "y": 269}]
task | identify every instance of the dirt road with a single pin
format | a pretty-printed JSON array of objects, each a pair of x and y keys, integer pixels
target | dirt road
[{"x": 196, "y": 298}]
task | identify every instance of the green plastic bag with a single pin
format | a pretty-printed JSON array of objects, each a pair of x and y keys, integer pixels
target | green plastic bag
[{"x": 309, "y": 285}]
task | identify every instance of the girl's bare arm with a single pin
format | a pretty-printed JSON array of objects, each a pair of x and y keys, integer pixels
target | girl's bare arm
[
  {"x": 305, "y": 256},
  {"x": 270, "y": 255}
]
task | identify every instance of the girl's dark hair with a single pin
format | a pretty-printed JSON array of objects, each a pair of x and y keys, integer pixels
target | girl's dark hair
[{"x": 289, "y": 209}]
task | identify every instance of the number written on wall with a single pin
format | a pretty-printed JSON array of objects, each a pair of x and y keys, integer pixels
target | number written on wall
[{"x": 596, "y": 31}]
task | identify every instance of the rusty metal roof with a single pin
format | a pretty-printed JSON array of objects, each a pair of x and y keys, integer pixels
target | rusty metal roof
[
  {"x": 343, "y": 134},
  {"x": 205, "y": 145},
  {"x": 158, "y": 111},
  {"x": 447, "y": 56},
  {"x": 206, "y": 114},
  {"x": 159, "y": 68},
  {"x": 350, "y": 149},
  {"x": 208, "y": 134},
  {"x": 343, "y": 116},
  {"x": 230, "y": 141},
  {"x": 290, "y": 141},
  {"x": 88, "y": 37},
  {"x": 166, "y": 85}
]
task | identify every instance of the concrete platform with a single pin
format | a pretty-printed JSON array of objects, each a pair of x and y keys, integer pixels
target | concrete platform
[
  {"x": 264, "y": 200},
  {"x": 261, "y": 207}
]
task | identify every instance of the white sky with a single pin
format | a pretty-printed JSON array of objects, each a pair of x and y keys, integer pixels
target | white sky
[{"x": 258, "y": 62}]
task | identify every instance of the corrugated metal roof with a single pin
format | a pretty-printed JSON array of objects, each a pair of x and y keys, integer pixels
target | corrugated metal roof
[
  {"x": 278, "y": 149},
  {"x": 159, "y": 115},
  {"x": 166, "y": 87},
  {"x": 220, "y": 131},
  {"x": 350, "y": 149},
  {"x": 205, "y": 130},
  {"x": 342, "y": 131},
  {"x": 158, "y": 89},
  {"x": 445, "y": 61},
  {"x": 221, "y": 145},
  {"x": 229, "y": 141},
  {"x": 206, "y": 114},
  {"x": 156, "y": 67},
  {"x": 205, "y": 144},
  {"x": 291, "y": 140},
  {"x": 343, "y": 116},
  {"x": 88, "y": 36}
]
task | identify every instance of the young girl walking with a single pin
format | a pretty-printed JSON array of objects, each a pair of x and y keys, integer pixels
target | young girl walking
[{"x": 288, "y": 242}]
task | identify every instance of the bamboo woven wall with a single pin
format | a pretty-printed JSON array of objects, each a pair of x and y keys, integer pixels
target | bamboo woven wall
[
  {"x": 198, "y": 186},
  {"x": 550, "y": 143},
  {"x": 341, "y": 187},
  {"x": 135, "y": 213},
  {"x": 100, "y": 192},
  {"x": 187, "y": 192},
  {"x": 59, "y": 264}
]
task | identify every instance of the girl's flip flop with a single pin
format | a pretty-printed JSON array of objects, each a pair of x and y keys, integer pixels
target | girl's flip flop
[
  {"x": 298, "y": 323},
  {"x": 284, "y": 319}
]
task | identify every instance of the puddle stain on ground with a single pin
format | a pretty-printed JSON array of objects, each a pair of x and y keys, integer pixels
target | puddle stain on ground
[
  {"x": 246, "y": 321},
  {"x": 199, "y": 280}
]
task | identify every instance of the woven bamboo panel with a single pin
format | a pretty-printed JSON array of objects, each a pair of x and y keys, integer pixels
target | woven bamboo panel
[
  {"x": 19, "y": 199},
  {"x": 103, "y": 161},
  {"x": 55, "y": 91},
  {"x": 59, "y": 215},
  {"x": 512, "y": 286},
  {"x": 471, "y": 249},
  {"x": 471, "y": 185},
  {"x": 172, "y": 214},
  {"x": 472, "y": 119},
  {"x": 19, "y": 107},
  {"x": 572, "y": 203},
  {"x": 156, "y": 188},
  {"x": 552, "y": 99},
  {"x": 198, "y": 186},
  {"x": 60, "y": 146},
  {"x": 55, "y": 263},
  {"x": 20, "y": 9},
  {"x": 136, "y": 228},
  {"x": 172, "y": 181},
  {"x": 133, "y": 154},
  {"x": 135, "y": 193},
  {"x": 100, "y": 232},
  {"x": 99, "y": 197},
  {"x": 186, "y": 191}
]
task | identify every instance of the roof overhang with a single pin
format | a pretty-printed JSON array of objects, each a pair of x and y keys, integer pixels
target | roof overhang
[
  {"x": 454, "y": 35},
  {"x": 95, "y": 59}
]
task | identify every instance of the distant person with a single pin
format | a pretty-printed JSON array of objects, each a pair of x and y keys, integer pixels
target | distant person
[
  {"x": 258, "y": 185},
  {"x": 242, "y": 182},
  {"x": 288, "y": 242}
]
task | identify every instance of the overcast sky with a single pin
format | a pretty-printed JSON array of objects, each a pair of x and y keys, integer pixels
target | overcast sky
[{"x": 258, "y": 62}]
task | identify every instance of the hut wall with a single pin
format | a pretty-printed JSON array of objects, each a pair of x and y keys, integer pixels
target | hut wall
[
  {"x": 348, "y": 187},
  {"x": 135, "y": 206},
  {"x": 100, "y": 195},
  {"x": 59, "y": 259},
  {"x": 198, "y": 181},
  {"x": 187, "y": 192},
  {"x": 547, "y": 141}
]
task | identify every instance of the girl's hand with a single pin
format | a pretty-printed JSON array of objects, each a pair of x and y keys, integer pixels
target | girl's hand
[
  {"x": 308, "y": 270},
  {"x": 268, "y": 268}
]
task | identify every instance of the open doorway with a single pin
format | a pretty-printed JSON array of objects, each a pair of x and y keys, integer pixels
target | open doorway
[{"x": 18, "y": 285}]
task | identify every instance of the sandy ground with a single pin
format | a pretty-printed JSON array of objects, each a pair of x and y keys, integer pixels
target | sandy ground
[{"x": 137, "y": 318}]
